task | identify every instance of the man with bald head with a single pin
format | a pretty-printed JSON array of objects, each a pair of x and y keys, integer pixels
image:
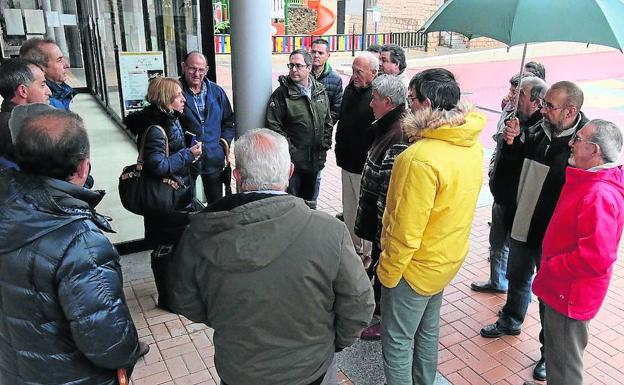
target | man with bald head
[
  {"x": 207, "y": 114},
  {"x": 354, "y": 137},
  {"x": 62, "y": 289}
]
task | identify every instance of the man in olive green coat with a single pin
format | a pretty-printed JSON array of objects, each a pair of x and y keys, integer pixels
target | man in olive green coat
[
  {"x": 299, "y": 110},
  {"x": 280, "y": 284}
]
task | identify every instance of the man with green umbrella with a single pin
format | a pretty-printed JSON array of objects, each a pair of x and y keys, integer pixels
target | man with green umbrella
[{"x": 543, "y": 152}]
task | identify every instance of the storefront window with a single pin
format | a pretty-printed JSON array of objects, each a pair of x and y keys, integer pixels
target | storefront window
[{"x": 57, "y": 20}]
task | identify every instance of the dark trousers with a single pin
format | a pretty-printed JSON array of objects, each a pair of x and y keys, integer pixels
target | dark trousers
[
  {"x": 522, "y": 263},
  {"x": 213, "y": 187},
  {"x": 160, "y": 261},
  {"x": 302, "y": 185}
]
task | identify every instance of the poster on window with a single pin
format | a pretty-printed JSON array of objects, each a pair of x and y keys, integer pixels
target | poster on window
[{"x": 135, "y": 71}]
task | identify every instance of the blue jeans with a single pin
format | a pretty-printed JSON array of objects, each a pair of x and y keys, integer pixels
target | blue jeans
[
  {"x": 522, "y": 263},
  {"x": 409, "y": 318},
  {"x": 499, "y": 248}
]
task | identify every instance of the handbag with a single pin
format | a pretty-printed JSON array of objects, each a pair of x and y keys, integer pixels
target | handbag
[
  {"x": 144, "y": 194},
  {"x": 226, "y": 173}
]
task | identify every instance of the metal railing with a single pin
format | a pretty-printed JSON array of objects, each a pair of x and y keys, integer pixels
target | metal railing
[{"x": 337, "y": 43}]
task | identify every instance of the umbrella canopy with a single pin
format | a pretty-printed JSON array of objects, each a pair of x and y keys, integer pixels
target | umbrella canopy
[{"x": 531, "y": 21}]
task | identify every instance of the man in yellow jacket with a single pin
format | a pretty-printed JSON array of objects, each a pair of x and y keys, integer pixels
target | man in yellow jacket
[{"x": 429, "y": 210}]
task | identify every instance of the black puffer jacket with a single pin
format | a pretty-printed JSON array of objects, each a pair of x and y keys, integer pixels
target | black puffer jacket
[
  {"x": 163, "y": 229},
  {"x": 63, "y": 315}
]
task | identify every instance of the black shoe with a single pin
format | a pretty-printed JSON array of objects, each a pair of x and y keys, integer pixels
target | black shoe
[
  {"x": 143, "y": 348},
  {"x": 530, "y": 383},
  {"x": 495, "y": 331},
  {"x": 340, "y": 217},
  {"x": 485, "y": 287},
  {"x": 539, "y": 371}
]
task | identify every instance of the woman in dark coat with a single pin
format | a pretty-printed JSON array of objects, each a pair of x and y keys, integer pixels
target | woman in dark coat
[{"x": 162, "y": 231}]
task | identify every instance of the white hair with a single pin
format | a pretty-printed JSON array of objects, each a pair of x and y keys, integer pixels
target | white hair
[
  {"x": 373, "y": 61},
  {"x": 609, "y": 137},
  {"x": 263, "y": 160},
  {"x": 389, "y": 86}
]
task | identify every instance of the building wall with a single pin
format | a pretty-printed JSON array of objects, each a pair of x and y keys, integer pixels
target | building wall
[{"x": 408, "y": 15}]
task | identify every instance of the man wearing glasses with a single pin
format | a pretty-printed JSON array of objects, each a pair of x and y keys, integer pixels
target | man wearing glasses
[
  {"x": 207, "y": 114},
  {"x": 543, "y": 152},
  {"x": 299, "y": 110},
  {"x": 580, "y": 247}
]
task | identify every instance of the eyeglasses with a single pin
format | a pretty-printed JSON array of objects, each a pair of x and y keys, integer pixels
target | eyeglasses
[
  {"x": 549, "y": 106},
  {"x": 197, "y": 70},
  {"x": 292, "y": 66},
  {"x": 576, "y": 138}
]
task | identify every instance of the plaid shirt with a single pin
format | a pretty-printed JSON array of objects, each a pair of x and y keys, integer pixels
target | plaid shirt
[{"x": 199, "y": 100}]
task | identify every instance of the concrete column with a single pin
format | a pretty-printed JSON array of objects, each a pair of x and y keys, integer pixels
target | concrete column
[
  {"x": 60, "y": 31},
  {"x": 251, "y": 62},
  {"x": 49, "y": 30}
]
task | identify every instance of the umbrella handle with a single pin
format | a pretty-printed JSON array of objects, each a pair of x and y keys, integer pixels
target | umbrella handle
[{"x": 515, "y": 110}]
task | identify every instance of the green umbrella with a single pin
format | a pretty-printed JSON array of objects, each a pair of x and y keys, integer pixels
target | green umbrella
[{"x": 531, "y": 21}]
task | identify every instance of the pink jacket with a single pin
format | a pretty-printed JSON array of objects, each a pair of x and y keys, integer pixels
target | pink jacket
[{"x": 581, "y": 242}]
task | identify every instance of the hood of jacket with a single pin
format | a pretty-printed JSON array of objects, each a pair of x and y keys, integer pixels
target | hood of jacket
[
  {"x": 327, "y": 68},
  {"x": 460, "y": 126},
  {"x": 33, "y": 206},
  {"x": 137, "y": 122},
  {"x": 613, "y": 176},
  {"x": 293, "y": 90},
  {"x": 239, "y": 240}
]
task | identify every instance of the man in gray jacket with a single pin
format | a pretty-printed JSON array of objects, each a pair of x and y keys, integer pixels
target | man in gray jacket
[{"x": 279, "y": 283}]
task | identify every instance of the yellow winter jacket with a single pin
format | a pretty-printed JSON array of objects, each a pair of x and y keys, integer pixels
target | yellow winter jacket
[{"x": 431, "y": 200}]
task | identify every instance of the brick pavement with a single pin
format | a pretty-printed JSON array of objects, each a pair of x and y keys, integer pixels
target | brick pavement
[{"x": 182, "y": 352}]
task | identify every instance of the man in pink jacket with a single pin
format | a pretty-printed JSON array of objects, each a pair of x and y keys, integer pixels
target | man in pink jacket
[{"x": 580, "y": 247}]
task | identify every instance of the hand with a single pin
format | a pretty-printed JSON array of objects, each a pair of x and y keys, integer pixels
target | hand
[
  {"x": 196, "y": 150},
  {"x": 512, "y": 129}
]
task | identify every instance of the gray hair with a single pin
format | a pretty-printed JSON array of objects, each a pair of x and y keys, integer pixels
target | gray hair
[
  {"x": 263, "y": 160},
  {"x": 31, "y": 50},
  {"x": 573, "y": 92},
  {"x": 307, "y": 58},
  {"x": 13, "y": 73},
  {"x": 390, "y": 86},
  {"x": 537, "y": 86},
  {"x": 609, "y": 137},
  {"x": 373, "y": 61}
]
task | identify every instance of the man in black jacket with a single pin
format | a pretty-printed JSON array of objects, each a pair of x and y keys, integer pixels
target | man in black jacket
[
  {"x": 354, "y": 138},
  {"x": 543, "y": 152},
  {"x": 504, "y": 183},
  {"x": 63, "y": 315}
]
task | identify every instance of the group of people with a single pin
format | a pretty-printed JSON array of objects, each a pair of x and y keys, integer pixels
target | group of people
[
  {"x": 283, "y": 285},
  {"x": 558, "y": 201}
]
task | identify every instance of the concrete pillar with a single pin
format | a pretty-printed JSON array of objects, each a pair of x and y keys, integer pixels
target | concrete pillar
[
  {"x": 250, "y": 25},
  {"x": 60, "y": 31},
  {"x": 49, "y": 30}
]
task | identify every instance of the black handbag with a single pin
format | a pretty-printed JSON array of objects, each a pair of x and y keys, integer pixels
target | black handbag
[
  {"x": 226, "y": 173},
  {"x": 144, "y": 194}
]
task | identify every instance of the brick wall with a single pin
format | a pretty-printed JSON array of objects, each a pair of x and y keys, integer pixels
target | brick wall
[{"x": 409, "y": 15}]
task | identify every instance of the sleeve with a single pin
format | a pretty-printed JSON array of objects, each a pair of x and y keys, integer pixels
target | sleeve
[
  {"x": 184, "y": 294},
  {"x": 228, "y": 123},
  {"x": 385, "y": 174},
  {"x": 90, "y": 292},
  {"x": 411, "y": 196},
  {"x": 276, "y": 116},
  {"x": 156, "y": 162},
  {"x": 354, "y": 302},
  {"x": 328, "y": 128},
  {"x": 598, "y": 235},
  {"x": 337, "y": 102}
]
